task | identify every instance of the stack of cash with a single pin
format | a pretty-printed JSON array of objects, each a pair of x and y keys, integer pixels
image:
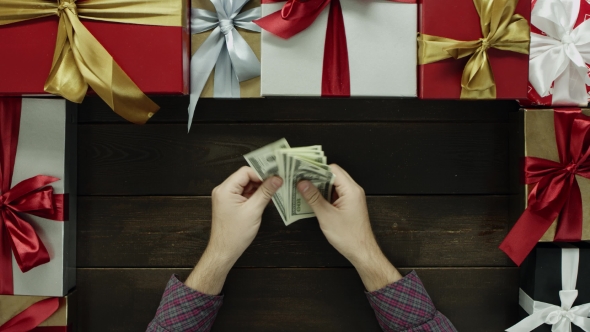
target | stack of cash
[{"x": 293, "y": 165}]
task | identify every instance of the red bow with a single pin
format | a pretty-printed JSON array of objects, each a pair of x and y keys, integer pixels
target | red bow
[
  {"x": 29, "y": 319},
  {"x": 32, "y": 196},
  {"x": 298, "y": 15},
  {"x": 556, "y": 191}
]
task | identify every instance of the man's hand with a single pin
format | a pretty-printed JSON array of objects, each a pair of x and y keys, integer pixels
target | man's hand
[
  {"x": 238, "y": 204},
  {"x": 346, "y": 225}
]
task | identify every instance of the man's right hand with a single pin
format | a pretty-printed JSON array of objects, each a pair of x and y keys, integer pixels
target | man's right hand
[{"x": 346, "y": 225}]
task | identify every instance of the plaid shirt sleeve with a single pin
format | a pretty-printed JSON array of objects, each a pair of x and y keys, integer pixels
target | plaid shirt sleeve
[
  {"x": 405, "y": 306},
  {"x": 184, "y": 309}
]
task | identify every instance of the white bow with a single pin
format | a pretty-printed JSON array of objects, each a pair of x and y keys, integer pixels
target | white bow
[
  {"x": 225, "y": 49},
  {"x": 560, "y": 318},
  {"x": 562, "y": 54}
]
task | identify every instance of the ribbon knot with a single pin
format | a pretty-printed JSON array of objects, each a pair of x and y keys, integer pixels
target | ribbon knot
[
  {"x": 226, "y": 26},
  {"x": 567, "y": 39},
  {"x": 485, "y": 44},
  {"x": 557, "y": 315},
  {"x": 66, "y": 4},
  {"x": 572, "y": 168}
]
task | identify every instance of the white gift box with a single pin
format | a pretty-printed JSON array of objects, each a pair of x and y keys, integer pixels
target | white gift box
[
  {"x": 381, "y": 40},
  {"x": 47, "y": 146}
]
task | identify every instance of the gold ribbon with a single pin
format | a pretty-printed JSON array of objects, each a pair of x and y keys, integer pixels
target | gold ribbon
[
  {"x": 79, "y": 60},
  {"x": 501, "y": 29}
]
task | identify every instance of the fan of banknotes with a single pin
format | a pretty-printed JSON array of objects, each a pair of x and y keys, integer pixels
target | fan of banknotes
[{"x": 293, "y": 165}]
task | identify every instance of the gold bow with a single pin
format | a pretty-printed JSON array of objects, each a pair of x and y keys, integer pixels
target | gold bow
[
  {"x": 501, "y": 29},
  {"x": 79, "y": 60}
]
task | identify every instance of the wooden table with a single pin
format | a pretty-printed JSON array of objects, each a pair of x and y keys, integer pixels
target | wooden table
[{"x": 436, "y": 175}]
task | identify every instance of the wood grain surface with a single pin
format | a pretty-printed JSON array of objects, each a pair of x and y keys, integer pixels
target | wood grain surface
[
  {"x": 175, "y": 110},
  {"x": 173, "y": 232},
  {"x": 384, "y": 158}
]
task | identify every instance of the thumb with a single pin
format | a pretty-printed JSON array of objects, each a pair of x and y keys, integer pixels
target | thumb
[
  {"x": 312, "y": 196},
  {"x": 264, "y": 193}
]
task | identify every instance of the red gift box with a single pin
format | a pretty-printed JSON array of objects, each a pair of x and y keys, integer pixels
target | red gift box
[
  {"x": 458, "y": 19},
  {"x": 534, "y": 99},
  {"x": 156, "y": 58}
]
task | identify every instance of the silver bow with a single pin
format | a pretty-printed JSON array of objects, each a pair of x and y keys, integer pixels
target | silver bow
[{"x": 225, "y": 49}]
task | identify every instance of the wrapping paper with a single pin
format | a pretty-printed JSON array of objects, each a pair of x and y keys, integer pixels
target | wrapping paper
[
  {"x": 381, "y": 44},
  {"x": 57, "y": 316},
  {"x": 546, "y": 49},
  {"x": 443, "y": 79},
  {"x": 46, "y": 146}
]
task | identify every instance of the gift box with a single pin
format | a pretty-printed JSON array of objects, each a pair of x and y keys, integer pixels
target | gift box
[
  {"x": 339, "y": 48},
  {"x": 122, "y": 48},
  {"x": 470, "y": 49},
  {"x": 554, "y": 292},
  {"x": 37, "y": 313},
  {"x": 37, "y": 196},
  {"x": 560, "y": 53},
  {"x": 225, "y": 45},
  {"x": 551, "y": 184}
]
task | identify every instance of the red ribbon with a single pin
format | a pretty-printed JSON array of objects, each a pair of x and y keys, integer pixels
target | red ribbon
[
  {"x": 556, "y": 191},
  {"x": 32, "y": 196},
  {"x": 298, "y": 15},
  {"x": 30, "y": 318}
]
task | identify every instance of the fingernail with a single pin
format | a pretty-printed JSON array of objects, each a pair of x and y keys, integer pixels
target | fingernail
[
  {"x": 303, "y": 186},
  {"x": 276, "y": 182}
]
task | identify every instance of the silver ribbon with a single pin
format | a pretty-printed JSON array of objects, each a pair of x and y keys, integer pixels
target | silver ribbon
[
  {"x": 225, "y": 49},
  {"x": 561, "y": 317},
  {"x": 560, "y": 57}
]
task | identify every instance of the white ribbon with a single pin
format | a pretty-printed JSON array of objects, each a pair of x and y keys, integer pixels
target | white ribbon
[
  {"x": 561, "y": 56},
  {"x": 562, "y": 317},
  {"x": 225, "y": 49}
]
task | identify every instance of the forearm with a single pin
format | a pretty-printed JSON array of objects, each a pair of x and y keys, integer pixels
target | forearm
[
  {"x": 374, "y": 268},
  {"x": 210, "y": 273}
]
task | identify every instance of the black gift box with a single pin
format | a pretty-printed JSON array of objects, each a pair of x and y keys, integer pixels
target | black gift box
[{"x": 540, "y": 277}]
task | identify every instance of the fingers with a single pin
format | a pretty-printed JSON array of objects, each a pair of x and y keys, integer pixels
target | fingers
[
  {"x": 343, "y": 183},
  {"x": 313, "y": 197},
  {"x": 341, "y": 174},
  {"x": 237, "y": 182},
  {"x": 250, "y": 189},
  {"x": 263, "y": 195}
]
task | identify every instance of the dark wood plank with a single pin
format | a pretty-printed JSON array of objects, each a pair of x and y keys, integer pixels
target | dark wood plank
[
  {"x": 174, "y": 110},
  {"x": 475, "y": 300},
  {"x": 385, "y": 158},
  {"x": 173, "y": 232}
]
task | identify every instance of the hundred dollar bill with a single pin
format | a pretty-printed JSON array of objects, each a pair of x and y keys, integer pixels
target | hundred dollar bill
[
  {"x": 320, "y": 177},
  {"x": 264, "y": 162},
  {"x": 293, "y": 165}
]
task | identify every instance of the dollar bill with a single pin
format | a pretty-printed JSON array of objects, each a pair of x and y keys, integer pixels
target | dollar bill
[
  {"x": 293, "y": 165},
  {"x": 320, "y": 177},
  {"x": 264, "y": 162}
]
